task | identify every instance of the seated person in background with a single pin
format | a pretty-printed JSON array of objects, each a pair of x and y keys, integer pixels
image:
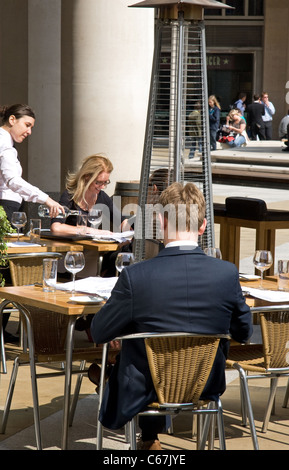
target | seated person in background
[
  {"x": 185, "y": 290},
  {"x": 236, "y": 123},
  {"x": 284, "y": 131},
  {"x": 84, "y": 189}
]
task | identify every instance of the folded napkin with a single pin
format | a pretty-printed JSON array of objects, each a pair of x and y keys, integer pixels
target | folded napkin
[
  {"x": 268, "y": 295},
  {"x": 119, "y": 237},
  {"x": 91, "y": 285},
  {"x": 15, "y": 244}
]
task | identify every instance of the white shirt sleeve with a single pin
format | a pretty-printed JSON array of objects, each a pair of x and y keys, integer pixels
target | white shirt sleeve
[{"x": 11, "y": 172}]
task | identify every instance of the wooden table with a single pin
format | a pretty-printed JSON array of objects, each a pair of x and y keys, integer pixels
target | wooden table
[
  {"x": 270, "y": 283},
  {"x": 46, "y": 246},
  {"x": 230, "y": 236},
  {"x": 61, "y": 246},
  {"x": 58, "y": 302}
]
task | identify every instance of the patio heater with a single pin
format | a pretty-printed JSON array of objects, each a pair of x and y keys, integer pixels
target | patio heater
[{"x": 177, "y": 138}]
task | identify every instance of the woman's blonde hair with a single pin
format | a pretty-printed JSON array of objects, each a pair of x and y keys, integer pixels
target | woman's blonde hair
[
  {"x": 215, "y": 101},
  {"x": 91, "y": 167},
  {"x": 234, "y": 112}
]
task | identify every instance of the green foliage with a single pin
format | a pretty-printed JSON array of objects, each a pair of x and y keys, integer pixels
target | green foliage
[{"x": 5, "y": 228}]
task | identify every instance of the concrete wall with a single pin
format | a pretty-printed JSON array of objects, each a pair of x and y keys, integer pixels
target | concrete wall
[
  {"x": 84, "y": 66},
  {"x": 106, "y": 62}
]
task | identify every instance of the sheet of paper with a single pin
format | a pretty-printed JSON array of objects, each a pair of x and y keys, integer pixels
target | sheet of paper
[
  {"x": 119, "y": 237},
  {"x": 15, "y": 244},
  {"x": 268, "y": 295},
  {"x": 91, "y": 285}
]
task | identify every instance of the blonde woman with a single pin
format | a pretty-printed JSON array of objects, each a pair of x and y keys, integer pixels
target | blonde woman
[
  {"x": 214, "y": 119},
  {"x": 236, "y": 123},
  {"x": 84, "y": 189}
]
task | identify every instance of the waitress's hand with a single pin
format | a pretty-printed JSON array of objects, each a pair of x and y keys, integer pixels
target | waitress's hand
[{"x": 54, "y": 207}]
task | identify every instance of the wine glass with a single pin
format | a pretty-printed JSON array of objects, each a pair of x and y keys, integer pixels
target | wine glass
[
  {"x": 18, "y": 219},
  {"x": 74, "y": 262},
  {"x": 94, "y": 217},
  {"x": 262, "y": 260},
  {"x": 123, "y": 260},
  {"x": 214, "y": 252}
]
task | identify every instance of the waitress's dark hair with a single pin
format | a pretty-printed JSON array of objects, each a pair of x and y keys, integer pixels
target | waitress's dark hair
[{"x": 17, "y": 110}]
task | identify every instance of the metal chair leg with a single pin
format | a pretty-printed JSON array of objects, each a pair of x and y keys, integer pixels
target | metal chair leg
[
  {"x": 132, "y": 433},
  {"x": 286, "y": 397},
  {"x": 101, "y": 390},
  {"x": 76, "y": 393},
  {"x": 247, "y": 400},
  {"x": 221, "y": 427},
  {"x": 270, "y": 405},
  {"x": 9, "y": 395}
]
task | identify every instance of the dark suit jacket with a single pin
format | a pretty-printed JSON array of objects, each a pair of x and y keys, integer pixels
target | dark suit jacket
[
  {"x": 178, "y": 290},
  {"x": 255, "y": 111}
]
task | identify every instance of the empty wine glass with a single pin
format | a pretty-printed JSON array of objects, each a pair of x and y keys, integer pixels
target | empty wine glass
[
  {"x": 18, "y": 219},
  {"x": 262, "y": 260},
  {"x": 214, "y": 252},
  {"x": 94, "y": 217},
  {"x": 123, "y": 260},
  {"x": 74, "y": 262}
]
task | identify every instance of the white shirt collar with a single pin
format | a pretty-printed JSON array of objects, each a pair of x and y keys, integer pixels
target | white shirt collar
[
  {"x": 7, "y": 136},
  {"x": 181, "y": 243}
]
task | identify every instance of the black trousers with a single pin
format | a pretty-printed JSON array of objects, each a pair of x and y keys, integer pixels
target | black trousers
[{"x": 151, "y": 426}]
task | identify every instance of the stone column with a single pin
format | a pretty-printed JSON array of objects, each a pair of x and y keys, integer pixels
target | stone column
[
  {"x": 276, "y": 64},
  {"x": 44, "y": 72},
  {"x": 107, "y": 53}
]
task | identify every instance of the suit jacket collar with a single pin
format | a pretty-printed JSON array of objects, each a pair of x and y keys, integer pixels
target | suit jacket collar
[{"x": 180, "y": 250}]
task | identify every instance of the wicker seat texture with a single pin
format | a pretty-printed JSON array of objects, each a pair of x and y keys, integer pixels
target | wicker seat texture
[
  {"x": 26, "y": 268},
  {"x": 266, "y": 360},
  {"x": 180, "y": 364}
]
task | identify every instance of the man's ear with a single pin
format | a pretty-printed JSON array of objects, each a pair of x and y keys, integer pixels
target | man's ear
[
  {"x": 163, "y": 221},
  {"x": 202, "y": 227}
]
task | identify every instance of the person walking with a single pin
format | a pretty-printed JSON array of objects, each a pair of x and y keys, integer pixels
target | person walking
[
  {"x": 255, "y": 113},
  {"x": 268, "y": 117},
  {"x": 214, "y": 120},
  {"x": 240, "y": 103}
]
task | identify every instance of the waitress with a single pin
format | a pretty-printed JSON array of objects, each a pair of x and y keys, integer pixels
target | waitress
[{"x": 17, "y": 123}]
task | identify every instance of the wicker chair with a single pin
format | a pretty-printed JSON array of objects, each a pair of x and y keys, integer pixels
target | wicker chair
[
  {"x": 25, "y": 269},
  {"x": 266, "y": 360},
  {"x": 180, "y": 364}
]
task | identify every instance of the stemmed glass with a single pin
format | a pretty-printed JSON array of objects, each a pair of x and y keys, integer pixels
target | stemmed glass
[
  {"x": 18, "y": 219},
  {"x": 262, "y": 260},
  {"x": 74, "y": 262},
  {"x": 214, "y": 252},
  {"x": 94, "y": 217},
  {"x": 123, "y": 260}
]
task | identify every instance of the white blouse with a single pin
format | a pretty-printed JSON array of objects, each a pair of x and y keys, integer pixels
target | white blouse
[{"x": 12, "y": 186}]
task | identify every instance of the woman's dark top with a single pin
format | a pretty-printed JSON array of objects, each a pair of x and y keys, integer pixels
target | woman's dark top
[{"x": 103, "y": 198}]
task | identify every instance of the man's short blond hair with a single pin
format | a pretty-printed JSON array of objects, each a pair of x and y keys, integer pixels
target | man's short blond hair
[{"x": 185, "y": 196}]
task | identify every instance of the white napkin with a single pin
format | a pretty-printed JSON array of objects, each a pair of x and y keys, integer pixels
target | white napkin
[
  {"x": 119, "y": 237},
  {"x": 91, "y": 285},
  {"x": 15, "y": 244},
  {"x": 268, "y": 295}
]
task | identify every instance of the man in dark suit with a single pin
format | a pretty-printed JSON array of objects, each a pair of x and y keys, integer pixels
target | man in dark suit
[
  {"x": 256, "y": 124},
  {"x": 181, "y": 289}
]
